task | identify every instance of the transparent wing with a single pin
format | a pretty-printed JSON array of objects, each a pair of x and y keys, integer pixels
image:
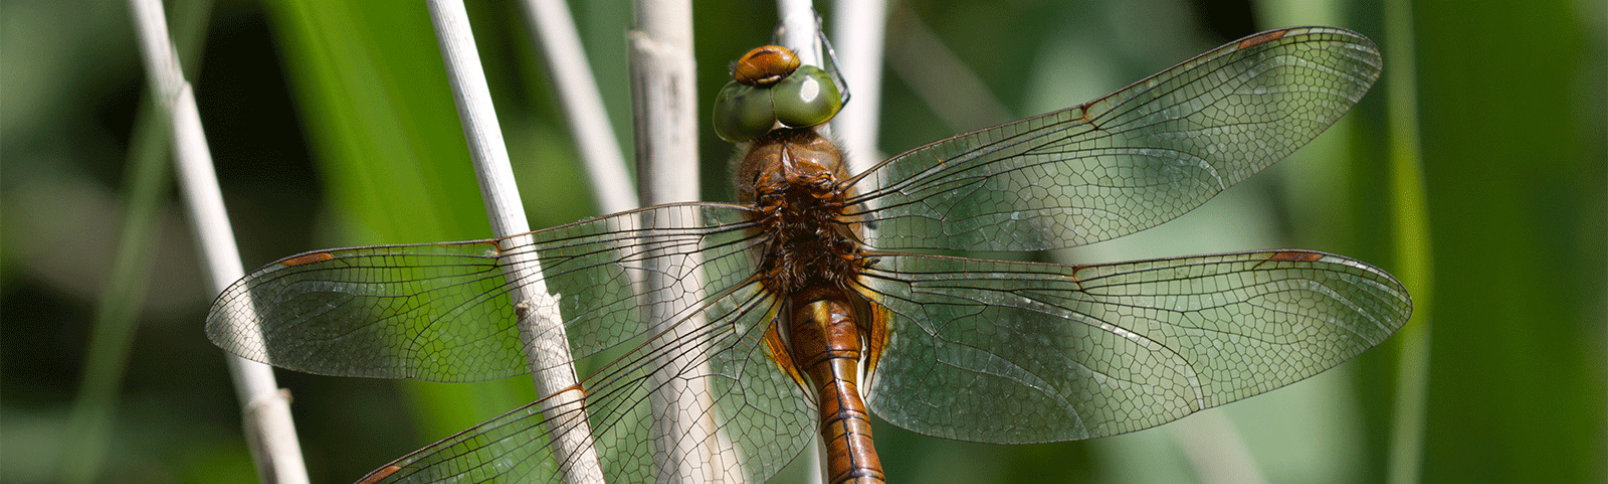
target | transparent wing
[
  {"x": 441, "y": 311},
  {"x": 1125, "y": 162},
  {"x": 760, "y": 417},
  {"x": 1017, "y": 352}
]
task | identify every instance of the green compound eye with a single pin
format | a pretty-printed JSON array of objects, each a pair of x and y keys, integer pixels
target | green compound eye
[
  {"x": 806, "y": 98},
  {"x": 743, "y": 112}
]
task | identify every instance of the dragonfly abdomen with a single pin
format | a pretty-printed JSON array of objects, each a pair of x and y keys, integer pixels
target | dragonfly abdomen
[{"x": 826, "y": 344}]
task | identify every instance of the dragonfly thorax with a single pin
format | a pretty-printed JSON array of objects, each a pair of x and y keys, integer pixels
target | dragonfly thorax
[{"x": 793, "y": 177}]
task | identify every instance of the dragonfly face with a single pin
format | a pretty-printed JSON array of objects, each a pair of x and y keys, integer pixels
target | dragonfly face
[{"x": 786, "y": 296}]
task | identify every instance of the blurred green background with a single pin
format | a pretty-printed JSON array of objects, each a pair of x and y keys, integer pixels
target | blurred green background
[{"x": 331, "y": 124}]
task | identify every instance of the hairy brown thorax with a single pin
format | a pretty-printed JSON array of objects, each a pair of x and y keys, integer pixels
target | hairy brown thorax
[{"x": 794, "y": 177}]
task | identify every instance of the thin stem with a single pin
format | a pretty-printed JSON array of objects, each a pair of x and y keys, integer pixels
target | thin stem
[
  {"x": 117, "y": 316},
  {"x": 951, "y": 88},
  {"x": 858, "y": 30},
  {"x": 577, "y": 94},
  {"x": 271, "y": 434},
  {"x": 1215, "y": 449},
  {"x": 797, "y": 29},
  {"x": 541, "y": 326},
  {"x": 664, "y": 104},
  {"x": 1412, "y": 255},
  {"x": 664, "y": 101}
]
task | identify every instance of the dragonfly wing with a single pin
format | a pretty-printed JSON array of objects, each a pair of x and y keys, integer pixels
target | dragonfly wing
[
  {"x": 756, "y": 417},
  {"x": 1020, "y": 352},
  {"x": 442, "y": 311},
  {"x": 1125, "y": 162}
]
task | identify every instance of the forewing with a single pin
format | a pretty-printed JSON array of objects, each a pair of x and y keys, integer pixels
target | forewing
[
  {"x": 442, "y": 311},
  {"x": 757, "y": 417},
  {"x": 1018, "y": 352},
  {"x": 1125, "y": 162}
]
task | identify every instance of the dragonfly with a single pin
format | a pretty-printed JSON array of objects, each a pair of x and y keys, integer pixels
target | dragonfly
[{"x": 822, "y": 297}]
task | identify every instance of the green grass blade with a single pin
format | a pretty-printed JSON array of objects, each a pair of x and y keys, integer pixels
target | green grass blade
[
  {"x": 1410, "y": 221},
  {"x": 1511, "y": 120},
  {"x": 374, "y": 99},
  {"x": 111, "y": 339}
]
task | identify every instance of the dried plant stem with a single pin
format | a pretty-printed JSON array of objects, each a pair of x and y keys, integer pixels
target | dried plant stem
[
  {"x": 541, "y": 327},
  {"x": 665, "y": 102},
  {"x": 665, "y": 108},
  {"x": 798, "y": 29},
  {"x": 859, "y": 29},
  {"x": 271, "y": 434},
  {"x": 560, "y": 45}
]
